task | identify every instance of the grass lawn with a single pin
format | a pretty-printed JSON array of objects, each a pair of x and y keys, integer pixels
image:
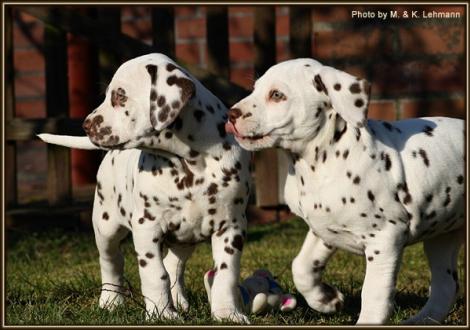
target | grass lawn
[{"x": 52, "y": 278}]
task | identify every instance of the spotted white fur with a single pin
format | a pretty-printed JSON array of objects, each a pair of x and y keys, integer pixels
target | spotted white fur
[
  {"x": 187, "y": 182},
  {"x": 367, "y": 186}
]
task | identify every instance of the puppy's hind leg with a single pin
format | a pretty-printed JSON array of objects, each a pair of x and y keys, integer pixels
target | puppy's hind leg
[
  {"x": 442, "y": 252},
  {"x": 307, "y": 269},
  {"x": 108, "y": 237},
  {"x": 175, "y": 262}
]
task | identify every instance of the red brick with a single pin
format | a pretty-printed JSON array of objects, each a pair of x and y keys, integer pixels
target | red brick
[
  {"x": 357, "y": 71},
  {"x": 189, "y": 11},
  {"x": 447, "y": 75},
  {"x": 30, "y": 86},
  {"x": 189, "y": 53},
  {"x": 26, "y": 18},
  {"x": 191, "y": 28},
  {"x": 241, "y": 51},
  {"x": 240, "y": 10},
  {"x": 243, "y": 77},
  {"x": 31, "y": 37},
  {"x": 240, "y": 26},
  {"x": 282, "y": 25},
  {"x": 332, "y": 14},
  {"x": 347, "y": 43},
  {"x": 443, "y": 107},
  {"x": 135, "y": 12},
  {"x": 382, "y": 109},
  {"x": 282, "y": 10},
  {"x": 432, "y": 39},
  {"x": 282, "y": 50},
  {"x": 28, "y": 60},
  {"x": 31, "y": 108},
  {"x": 139, "y": 28}
]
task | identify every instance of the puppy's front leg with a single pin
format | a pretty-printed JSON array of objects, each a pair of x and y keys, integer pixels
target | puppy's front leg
[
  {"x": 154, "y": 278},
  {"x": 227, "y": 246},
  {"x": 383, "y": 257},
  {"x": 307, "y": 270}
]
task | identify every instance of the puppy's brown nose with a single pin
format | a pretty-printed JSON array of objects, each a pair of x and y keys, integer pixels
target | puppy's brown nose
[
  {"x": 233, "y": 114},
  {"x": 87, "y": 126}
]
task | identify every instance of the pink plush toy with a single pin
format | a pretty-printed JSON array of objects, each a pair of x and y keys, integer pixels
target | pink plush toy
[{"x": 258, "y": 293}]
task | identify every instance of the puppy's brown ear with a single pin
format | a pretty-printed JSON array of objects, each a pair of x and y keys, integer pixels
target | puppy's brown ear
[
  {"x": 170, "y": 90},
  {"x": 349, "y": 95}
]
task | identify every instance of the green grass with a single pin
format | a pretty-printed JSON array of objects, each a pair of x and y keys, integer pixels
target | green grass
[{"x": 52, "y": 278}]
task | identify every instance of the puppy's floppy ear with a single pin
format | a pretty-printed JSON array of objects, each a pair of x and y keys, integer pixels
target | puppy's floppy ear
[
  {"x": 171, "y": 89},
  {"x": 349, "y": 95}
]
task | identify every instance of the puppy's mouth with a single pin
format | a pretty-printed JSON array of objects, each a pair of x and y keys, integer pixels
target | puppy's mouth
[
  {"x": 108, "y": 145},
  {"x": 231, "y": 129}
]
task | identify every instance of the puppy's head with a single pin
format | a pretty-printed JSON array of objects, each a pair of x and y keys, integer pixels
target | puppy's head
[
  {"x": 145, "y": 94},
  {"x": 290, "y": 101}
]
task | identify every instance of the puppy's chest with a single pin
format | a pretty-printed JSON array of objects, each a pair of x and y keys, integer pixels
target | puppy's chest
[
  {"x": 189, "y": 202},
  {"x": 337, "y": 207}
]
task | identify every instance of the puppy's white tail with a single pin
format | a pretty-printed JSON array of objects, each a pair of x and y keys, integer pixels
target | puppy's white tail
[{"x": 78, "y": 142}]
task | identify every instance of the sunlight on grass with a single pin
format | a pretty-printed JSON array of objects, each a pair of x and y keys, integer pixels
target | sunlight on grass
[{"x": 53, "y": 278}]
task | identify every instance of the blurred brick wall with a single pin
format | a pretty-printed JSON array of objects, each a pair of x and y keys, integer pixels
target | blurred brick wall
[{"x": 416, "y": 67}]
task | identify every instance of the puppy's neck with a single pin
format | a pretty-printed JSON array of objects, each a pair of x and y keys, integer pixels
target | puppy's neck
[
  {"x": 197, "y": 133},
  {"x": 327, "y": 140}
]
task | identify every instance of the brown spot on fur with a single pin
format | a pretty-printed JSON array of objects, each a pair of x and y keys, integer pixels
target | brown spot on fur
[
  {"x": 428, "y": 130},
  {"x": 238, "y": 242},
  {"x": 370, "y": 195},
  {"x": 148, "y": 215},
  {"x": 187, "y": 87},
  {"x": 319, "y": 85},
  {"x": 423, "y": 155},
  {"x": 359, "y": 103},
  {"x": 212, "y": 189},
  {"x": 355, "y": 88}
]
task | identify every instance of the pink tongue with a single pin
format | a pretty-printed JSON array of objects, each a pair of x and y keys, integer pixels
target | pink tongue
[{"x": 229, "y": 128}]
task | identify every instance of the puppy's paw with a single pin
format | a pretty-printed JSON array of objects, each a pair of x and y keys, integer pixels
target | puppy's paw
[
  {"x": 231, "y": 315},
  {"x": 110, "y": 300},
  {"x": 180, "y": 300},
  {"x": 324, "y": 298},
  {"x": 167, "y": 313}
]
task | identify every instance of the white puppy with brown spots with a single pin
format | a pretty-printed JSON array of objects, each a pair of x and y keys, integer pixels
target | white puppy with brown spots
[
  {"x": 369, "y": 187},
  {"x": 189, "y": 183}
]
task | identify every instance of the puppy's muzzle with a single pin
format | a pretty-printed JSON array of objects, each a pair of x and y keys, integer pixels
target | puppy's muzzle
[
  {"x": 102, "y": 136},
  {"x": 233, "y": 114}
]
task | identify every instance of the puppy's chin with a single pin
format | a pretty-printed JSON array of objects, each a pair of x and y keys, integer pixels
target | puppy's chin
[
  {"x": 111, "y": 144},
  {"x": 254, "y": 145}
]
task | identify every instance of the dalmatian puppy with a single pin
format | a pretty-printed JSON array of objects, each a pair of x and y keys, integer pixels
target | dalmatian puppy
[
  {"x": 369, "y": 187},
  {"x": 187, "y": 182}
]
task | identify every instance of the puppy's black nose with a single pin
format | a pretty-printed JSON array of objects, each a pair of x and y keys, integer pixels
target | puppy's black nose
[
  {"x": 233, "y": 114},
  {"x": 87, "y": 126}
]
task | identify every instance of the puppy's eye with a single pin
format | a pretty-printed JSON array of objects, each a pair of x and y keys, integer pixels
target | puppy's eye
[
  {"x": 118, "y": 97},
  {"x": 121, "y": 92},
  {"x": 277, "y": 96}
]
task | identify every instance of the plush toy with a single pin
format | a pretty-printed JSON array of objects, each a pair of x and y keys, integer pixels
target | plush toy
[{"x": 258, "y": 293}]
